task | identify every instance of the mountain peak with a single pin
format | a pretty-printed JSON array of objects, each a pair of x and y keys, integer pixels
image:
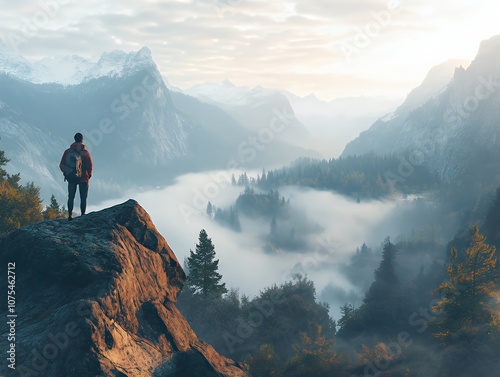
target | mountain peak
[
  {"x": 105, "y": 284},
  {"x": 228, "y": 84},
  {"x": 119, "y": 63},
  {"x": 72, "y": 70},
  {"x": 436, "y": 79},
  {"x": 489, "y": 46},
  {"x": 487, "y": 58},
  {"x": 312, "y": 97}
]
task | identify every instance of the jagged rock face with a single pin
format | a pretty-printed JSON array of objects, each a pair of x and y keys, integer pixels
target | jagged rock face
[{"x": 96, "y": 297}]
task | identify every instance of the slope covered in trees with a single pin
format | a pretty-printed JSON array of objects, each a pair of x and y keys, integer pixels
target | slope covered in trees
[
  {"x": 21, "y": 205},
  {"x": 367, "y": 176},
  {"x": 433, "y": 321}
]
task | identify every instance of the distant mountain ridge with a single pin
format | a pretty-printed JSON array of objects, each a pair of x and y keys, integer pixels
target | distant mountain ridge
[
  {"x": 334, "y": 123},
  {"x": 453, "y": 131},
  {"x": 321, "y": 126},
  {"x": 73, "y": 70},
  {"x": 254, "y": 108},
  {"x": 124, "y": 117},
  {"x": 136, "y": 133}
]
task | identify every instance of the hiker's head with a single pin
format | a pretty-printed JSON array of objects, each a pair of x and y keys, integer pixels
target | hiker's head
[{"x": 78, "y": 137}]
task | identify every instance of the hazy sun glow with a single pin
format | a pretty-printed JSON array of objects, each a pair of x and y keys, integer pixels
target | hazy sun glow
[{"x": 334, "y": 49}]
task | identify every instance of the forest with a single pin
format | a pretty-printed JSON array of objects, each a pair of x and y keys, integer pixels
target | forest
[
  {"x": 441, "y": 322},
  {"x": 363, "y": 177}
]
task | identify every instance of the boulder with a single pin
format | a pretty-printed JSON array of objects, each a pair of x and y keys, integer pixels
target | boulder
[{"x": 96, "y": 297}]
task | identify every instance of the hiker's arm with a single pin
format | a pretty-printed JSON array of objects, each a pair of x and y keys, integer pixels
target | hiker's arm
[
  {"x": 91, "y": 165},
  {"x": 62, "y": 164}
]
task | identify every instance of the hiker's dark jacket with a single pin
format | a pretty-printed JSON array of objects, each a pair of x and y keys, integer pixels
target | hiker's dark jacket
[{"x": 86, "y": 162}]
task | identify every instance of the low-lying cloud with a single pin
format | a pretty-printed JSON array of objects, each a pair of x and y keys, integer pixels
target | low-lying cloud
[{"x": 178, "y": 212}]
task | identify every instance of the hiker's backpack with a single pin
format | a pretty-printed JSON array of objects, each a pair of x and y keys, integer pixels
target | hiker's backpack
[{"x": 74, "y": 164}]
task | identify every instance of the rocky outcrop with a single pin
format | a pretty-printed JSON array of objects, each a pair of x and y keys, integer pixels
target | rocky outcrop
[{"x": 96, "y": 297}]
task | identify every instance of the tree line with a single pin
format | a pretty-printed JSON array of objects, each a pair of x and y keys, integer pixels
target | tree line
[
  {"x": 363, "y": 177},
  {"x": 21, "y": 205}
]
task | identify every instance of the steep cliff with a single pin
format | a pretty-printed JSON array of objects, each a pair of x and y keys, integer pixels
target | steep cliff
[{"x": 96, "y": 297}]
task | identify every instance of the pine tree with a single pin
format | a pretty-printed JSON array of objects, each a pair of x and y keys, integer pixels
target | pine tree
[
  {"x": 349, "y": 320},
  {"x": 210, "y": 210},
  {"x": 53, "y": 211},
  {"x": 274, "y": 227},
  {"x": 203, "y": 277},
  {"x": 31, "y": 204},
  {"x": 234, "y": 220},
  {"x": 466, "y": 296},
  {"x": 381, "y": 305},
  {"x": 3, "y": 162},
  {"x": 364, "y": 249}
]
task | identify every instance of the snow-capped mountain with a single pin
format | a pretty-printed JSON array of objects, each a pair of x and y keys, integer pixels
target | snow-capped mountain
[
  {"x": 119, "y": 103},
  {"x": 139, "y": 134},
  {"x": 73, "y": 70},
  {"x": 454, "y": 132}
]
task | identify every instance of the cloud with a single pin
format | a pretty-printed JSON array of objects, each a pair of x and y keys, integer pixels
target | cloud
[
  {"x": 286, "y": 44},
  {"x": 244, "y": 263}
]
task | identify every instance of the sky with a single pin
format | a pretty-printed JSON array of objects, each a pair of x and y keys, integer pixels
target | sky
[{"x": 331, "y": 48}]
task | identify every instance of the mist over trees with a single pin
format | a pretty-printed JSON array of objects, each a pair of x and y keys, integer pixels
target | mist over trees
[
  {"x": 430, "y": 308},
  {"x": 289, "y": 226},
  {"x": 227, "y": 217},
  {"x": 432, "y": 320},
  {"x": 367, "y": 176}
]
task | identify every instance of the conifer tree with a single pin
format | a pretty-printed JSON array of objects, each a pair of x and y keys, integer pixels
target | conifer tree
[
  {"x": 274, "y": 227},
  {"x": 210, "y": 210},
  {"x": 466, "y": 296},
  {"x": 381, "y": 305},
  {"x": 3, "y": 162},
  {"x": 203, "y": 277},
  {"x": 54, "y": 210}
]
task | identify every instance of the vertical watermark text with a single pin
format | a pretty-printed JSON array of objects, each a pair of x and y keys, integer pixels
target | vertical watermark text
[{"x": 11, "y": 314}]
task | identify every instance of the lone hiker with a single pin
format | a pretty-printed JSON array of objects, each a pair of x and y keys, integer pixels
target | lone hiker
[{"x": 76, "y": 165}]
